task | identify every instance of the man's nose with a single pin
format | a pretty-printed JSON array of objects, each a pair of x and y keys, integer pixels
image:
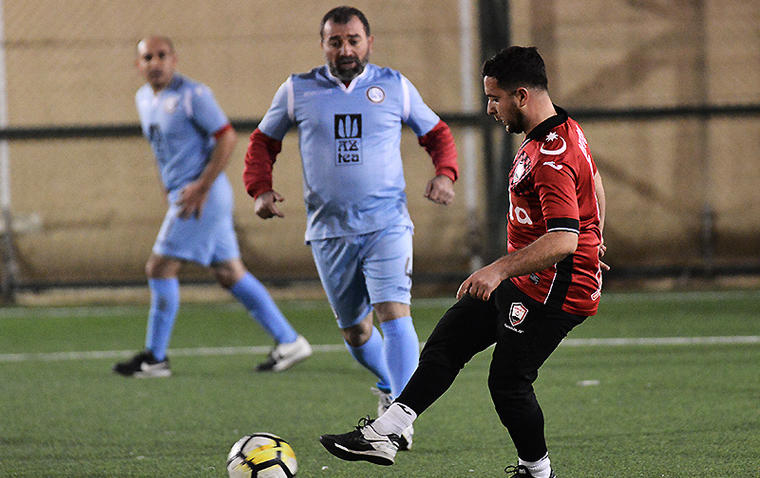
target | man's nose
[{"x": 346, "y": 49}]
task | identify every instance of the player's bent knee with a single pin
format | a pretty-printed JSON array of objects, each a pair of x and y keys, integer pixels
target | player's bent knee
[
  {"x": 160, "y": 267},
  {"x": 228, "y": 273},
  {"x": 391, "y": 310},
  {"x": 357, "y": 335}
]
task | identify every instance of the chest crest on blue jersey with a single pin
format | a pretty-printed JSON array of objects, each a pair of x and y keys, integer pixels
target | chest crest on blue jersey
[
  {"x": 348, "y": 139},
  {"x": 375, "y": 94},
  {"x": 170, "y": 104}
]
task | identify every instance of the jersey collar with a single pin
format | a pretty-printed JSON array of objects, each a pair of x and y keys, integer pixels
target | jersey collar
[
  {"x": 543, "y": 128},
  {"x": 352, "y": 85},
  {"x": 173, "y": 85}
]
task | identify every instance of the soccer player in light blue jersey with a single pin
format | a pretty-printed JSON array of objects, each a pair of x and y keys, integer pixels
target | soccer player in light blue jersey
[
  {"x": 349, "y": 115},
  {"x": 192, "y": 141}
]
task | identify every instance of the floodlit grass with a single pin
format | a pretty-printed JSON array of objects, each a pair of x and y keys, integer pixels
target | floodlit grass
[{"x": 628, "y": 411}]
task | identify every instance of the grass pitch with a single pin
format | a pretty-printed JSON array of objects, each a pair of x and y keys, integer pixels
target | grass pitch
[{"x": 677, "y": 395}]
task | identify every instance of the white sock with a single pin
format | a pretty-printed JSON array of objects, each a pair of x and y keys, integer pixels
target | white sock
[
  {"x": 395, "y": 420},
  {"x": 539, "y": 469}
]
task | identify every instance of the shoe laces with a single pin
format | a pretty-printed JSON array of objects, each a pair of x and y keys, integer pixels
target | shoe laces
[
  {"x": 364, "y": 422},
  {"x": 515, "y": 470}
]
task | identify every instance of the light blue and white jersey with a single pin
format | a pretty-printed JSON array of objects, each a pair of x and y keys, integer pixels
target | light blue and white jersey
[
  {"x": 179, "y": 122},
  {"x": 350, "y": 137}
]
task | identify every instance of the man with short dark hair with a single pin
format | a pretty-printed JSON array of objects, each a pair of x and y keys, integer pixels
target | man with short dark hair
[
  {"x": 349, "y": 114},
  {"x": 526, "y": 301}
]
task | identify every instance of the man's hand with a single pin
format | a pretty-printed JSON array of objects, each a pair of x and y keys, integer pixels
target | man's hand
[
  {"x": 602, "y": 251},
  {"x": 266, "y": 205},
  {"x": 192, "y": 198},
  {"x": 440, "y": 190},
  {"x": 481, "y": 283}
]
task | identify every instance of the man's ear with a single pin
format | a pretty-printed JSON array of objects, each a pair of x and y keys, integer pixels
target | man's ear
[{"x": 523, "y": 95}]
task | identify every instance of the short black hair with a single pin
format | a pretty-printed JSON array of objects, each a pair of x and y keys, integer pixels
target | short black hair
[
  {"x": 343, "y": 15},
  {"x": 517, "y": 66}
]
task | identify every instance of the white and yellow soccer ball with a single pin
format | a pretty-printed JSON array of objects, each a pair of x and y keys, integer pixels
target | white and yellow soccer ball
[{"x": 262, "y": 455}]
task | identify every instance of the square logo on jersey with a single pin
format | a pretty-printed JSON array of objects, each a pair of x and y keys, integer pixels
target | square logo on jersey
[{"x": 348, "y": 139}]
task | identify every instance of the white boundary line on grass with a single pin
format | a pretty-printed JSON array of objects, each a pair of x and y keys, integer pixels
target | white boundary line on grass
[{"x": 261, "y": 350}]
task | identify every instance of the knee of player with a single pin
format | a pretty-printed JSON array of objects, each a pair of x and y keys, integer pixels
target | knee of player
[
  {"x": 228, "y": 273},
  {"x": 357, "y": 335},
  {"x": 160, "y": 267},
  {"x": 507, "y": 387}
]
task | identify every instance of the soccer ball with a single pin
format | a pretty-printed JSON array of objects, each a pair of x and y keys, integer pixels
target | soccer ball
[{"x": 261, "y": 455}]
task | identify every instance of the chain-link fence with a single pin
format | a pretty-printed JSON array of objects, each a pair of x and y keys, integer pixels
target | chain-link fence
[{"x": 667, "y": 93}]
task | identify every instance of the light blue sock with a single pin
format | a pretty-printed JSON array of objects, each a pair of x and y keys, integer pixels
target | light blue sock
[
  {"x": 255, "y": 298},
  {"x": 371, "y": 355},
  {"x": 164, "y": 303},
  {"x": 402, "y": 351}
]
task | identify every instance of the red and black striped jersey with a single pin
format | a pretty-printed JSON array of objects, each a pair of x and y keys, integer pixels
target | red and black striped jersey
[{"x": 551, "y": 188}]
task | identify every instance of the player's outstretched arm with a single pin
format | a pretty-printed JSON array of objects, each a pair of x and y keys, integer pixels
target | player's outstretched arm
[{"x": 265, "y": 204}]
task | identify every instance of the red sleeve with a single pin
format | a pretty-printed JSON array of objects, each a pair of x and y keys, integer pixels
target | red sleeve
[
  {"x": 439, "y": 143},
  {"x": 261, "y": 155},
  {"x": 555, "y": 181},
  {"x": 218, "y": 134}
]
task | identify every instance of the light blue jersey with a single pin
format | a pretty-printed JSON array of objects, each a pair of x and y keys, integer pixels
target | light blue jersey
[
  {"x": 179, "y": 122},
  {"x": 350, "y": 137}
]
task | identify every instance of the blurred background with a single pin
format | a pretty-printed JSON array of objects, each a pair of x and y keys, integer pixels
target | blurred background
[{"x": 667, "y": 91}]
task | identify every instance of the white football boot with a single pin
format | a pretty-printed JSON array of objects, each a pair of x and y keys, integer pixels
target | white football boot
[{"x": 284, "y": 356}]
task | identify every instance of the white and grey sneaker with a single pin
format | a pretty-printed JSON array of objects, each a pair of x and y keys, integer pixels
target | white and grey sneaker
[
  {"x": 363, "y": 444},
  {"x": 284, "y": 356},
  {"x": 384, "y": 401},
  {"x": 521, "y": 471},
  {"x": 144, "y": 365}
]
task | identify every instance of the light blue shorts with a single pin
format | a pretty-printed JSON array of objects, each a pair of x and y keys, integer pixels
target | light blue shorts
[
  {"x": 209, "y": 239},
  {"x": 360, "y": 270}
]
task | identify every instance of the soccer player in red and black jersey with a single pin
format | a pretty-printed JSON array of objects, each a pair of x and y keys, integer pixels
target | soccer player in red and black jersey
[{"x": 526, "y": 301}]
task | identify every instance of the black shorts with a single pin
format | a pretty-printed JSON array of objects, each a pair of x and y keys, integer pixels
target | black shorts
[{"x": 525, "y": 332}]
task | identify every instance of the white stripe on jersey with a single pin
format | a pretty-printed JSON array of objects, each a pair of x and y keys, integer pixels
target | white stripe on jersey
[
  {"x": 187, "y": 99},
  {"x": 291, "y": 100},
  {"x": 407, "y": 103}
]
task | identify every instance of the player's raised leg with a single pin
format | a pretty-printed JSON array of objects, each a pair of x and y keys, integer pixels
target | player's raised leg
[{"x": 454, "y": 341}]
